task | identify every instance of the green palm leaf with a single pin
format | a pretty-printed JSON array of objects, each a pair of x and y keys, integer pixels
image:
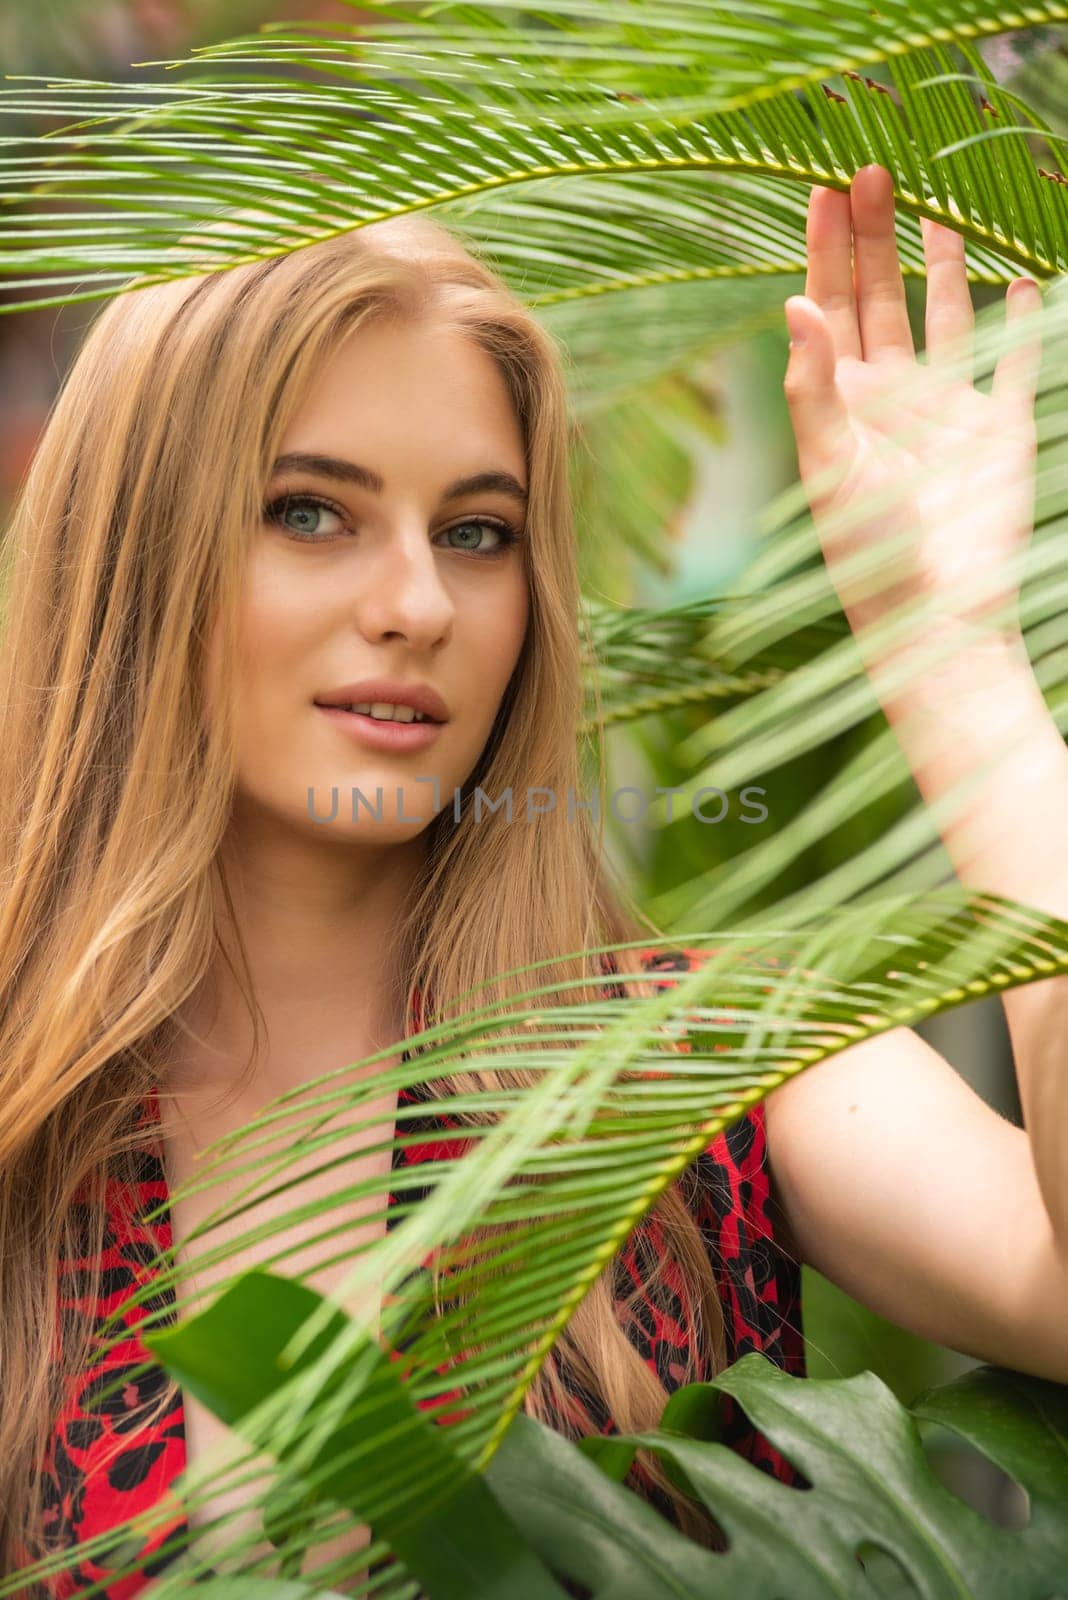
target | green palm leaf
[
  {"x": 606, "y": 1126},
  {"x": 687, "y": 54},
  {"x": 316, "y": 158},
  {"x": 647, "y": 661}
]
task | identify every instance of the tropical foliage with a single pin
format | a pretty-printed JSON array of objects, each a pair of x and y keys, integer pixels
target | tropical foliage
[{"x": 651, "y": 158}]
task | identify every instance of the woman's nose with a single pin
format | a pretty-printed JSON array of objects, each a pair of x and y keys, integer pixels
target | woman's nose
[{"x": 402, "y": 593}]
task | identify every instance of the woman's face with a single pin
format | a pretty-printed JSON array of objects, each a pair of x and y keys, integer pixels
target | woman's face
[{"x": 377, "y": 561}]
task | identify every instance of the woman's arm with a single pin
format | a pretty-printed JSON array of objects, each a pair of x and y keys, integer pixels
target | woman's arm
[
  {"x": 897, "y": 1181},
  {"x": 985, "y": 719},
  {"x": 904, "y": 1188}
]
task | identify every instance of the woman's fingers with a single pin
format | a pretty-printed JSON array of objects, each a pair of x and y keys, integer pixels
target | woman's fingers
[
  {"x": 818, "y": 412},
  {"x": 949, "y": 319},
  {"x": 829, "y": 279},
  {"x": 878, "y": 285},
  {"x": 1016, "y": 374}
]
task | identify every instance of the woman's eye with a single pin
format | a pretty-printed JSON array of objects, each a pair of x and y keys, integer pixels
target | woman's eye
[
  {"x": 301, "y": 515},
  {"x": 469, "y": 535}
]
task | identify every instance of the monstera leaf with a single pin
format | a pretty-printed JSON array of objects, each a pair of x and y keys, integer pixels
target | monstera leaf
[{"x": 872, "y": 1494}]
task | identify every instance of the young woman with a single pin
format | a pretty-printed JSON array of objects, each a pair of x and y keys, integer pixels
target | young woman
[{"x": 338, "y": 478}]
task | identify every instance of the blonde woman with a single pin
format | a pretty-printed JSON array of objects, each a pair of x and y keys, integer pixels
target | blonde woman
[{"x": 273, "y": 509}]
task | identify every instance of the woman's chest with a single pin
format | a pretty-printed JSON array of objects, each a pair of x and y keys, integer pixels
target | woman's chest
[
  {"x": 305, "y": 1197},
  {"x": 306, "y": 1201}
]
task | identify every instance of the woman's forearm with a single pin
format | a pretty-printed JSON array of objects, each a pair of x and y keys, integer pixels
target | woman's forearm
[{"x": 979, "y": 718}]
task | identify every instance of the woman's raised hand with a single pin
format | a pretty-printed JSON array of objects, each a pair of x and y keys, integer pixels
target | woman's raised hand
[{"x": 969, "y": 454}]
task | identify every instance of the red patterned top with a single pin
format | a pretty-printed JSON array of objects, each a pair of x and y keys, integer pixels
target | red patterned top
[{"x": 105, "y": 1466}]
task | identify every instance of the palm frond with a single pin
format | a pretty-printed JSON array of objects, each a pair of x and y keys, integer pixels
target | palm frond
[
  {"x": 687, "y": 55},
  {"x": 572, "y": 1163},
  {"x": 649, "y": 661},
  {"x": 163, "y": 168}
]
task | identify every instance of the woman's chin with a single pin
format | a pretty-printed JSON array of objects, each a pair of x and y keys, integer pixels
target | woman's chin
[{"x": 370, "y": 806}]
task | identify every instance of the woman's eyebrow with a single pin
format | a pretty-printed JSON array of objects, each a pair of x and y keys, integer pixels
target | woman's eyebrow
[{"x": 350, "y": 472}]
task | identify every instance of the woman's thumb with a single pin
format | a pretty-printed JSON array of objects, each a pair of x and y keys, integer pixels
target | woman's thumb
[{"x": 818, "y": 411}]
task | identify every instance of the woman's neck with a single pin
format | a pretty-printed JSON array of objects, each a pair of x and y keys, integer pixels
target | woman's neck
[{"x": 320, "y": 929}]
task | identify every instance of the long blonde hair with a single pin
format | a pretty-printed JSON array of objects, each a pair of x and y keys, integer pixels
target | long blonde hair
[{"x": 127, "y": 544}]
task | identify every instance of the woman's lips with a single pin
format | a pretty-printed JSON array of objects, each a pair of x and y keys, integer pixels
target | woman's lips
[{"x": 380, "y": 734}]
